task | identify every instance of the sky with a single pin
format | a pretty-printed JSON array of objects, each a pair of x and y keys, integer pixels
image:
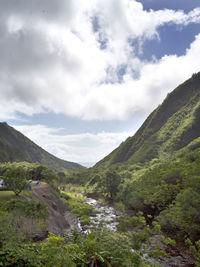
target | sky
[{"x": 79, "y": 77}]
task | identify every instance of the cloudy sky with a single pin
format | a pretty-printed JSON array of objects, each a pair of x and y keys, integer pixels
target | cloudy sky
[{"x": 79, "y": 77}]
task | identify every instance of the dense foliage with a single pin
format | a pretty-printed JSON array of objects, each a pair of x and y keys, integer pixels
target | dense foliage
[
  {"x": 100, "y": 249},
  {"x": 165, "y": 190}
]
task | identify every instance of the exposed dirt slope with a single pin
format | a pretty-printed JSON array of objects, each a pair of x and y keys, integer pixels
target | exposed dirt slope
[{"x": 56, "y": 221}]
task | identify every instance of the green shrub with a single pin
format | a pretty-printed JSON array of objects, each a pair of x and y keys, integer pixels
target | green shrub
[
  {"x": 131, "y": 222},
  {"x": 106, "y": 248},
  {"x": 85, "y": 220},
  {"x": 195, "y": 250},
  {"x": 65, "y": 195},
  {"x": 20, "y": 255},
  {"x": 22, "y": 220},
  {"x": 15, "y": 227},
  {"x": 120, "y": 206},
  {"x": 183, "y": 215},
  {"x": 30, "y": 208},
  {"x": 80, "y": 209},
  {"x": 55, "y": 252}
]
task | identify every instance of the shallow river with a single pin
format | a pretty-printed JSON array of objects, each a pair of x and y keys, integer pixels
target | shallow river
[{"x": 107, "y": 218}]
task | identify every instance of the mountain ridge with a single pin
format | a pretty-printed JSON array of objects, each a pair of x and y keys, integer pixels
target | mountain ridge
[
  {"x": 170, "y": 127},
  {"x": 14, "y": 146}
]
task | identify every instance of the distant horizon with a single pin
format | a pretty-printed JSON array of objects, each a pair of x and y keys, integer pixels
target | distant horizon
[{"x": 87, "y": 164}]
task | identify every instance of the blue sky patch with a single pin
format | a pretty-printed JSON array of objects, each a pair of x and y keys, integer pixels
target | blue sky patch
[
  {"x": 186, "y": 5},
  {"x": 172, "y": 41}
]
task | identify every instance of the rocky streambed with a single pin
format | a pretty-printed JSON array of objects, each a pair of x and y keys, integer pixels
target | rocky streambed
[{"x": 106, "y": 217}]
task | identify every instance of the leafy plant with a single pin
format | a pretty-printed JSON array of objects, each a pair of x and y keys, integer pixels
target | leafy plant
[{"x": 55, "y": 252}]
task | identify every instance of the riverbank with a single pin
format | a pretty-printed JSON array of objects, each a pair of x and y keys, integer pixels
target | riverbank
[{"x": 107, "y": 217}]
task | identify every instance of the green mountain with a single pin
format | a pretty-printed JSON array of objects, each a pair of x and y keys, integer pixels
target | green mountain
[
  {"x": 14, "y": 146},
  {"x": 170, "y": 127}
]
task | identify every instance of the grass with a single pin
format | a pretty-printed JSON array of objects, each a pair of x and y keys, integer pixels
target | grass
[
  {"x": 6, "y": 195},
  {"x": 79, "y": 190},
  {"x": 27, "y": 193},
  {"x": 74, "y": 196}
]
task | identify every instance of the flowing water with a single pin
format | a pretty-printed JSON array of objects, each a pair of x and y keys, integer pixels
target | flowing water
[{"x": 106, "y": 217}]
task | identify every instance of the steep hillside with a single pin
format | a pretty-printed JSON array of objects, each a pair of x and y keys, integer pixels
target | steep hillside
[
  {"x": 9, "y": 153},
  {"x": 14, "y": 146},
  {"x": 170, "y": 127},
  {"x": 56, "y": 221}
]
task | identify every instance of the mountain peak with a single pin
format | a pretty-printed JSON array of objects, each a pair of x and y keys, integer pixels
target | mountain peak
[
  {"x": 170, "y": 127},
  {"x": 14, "y": 146}
]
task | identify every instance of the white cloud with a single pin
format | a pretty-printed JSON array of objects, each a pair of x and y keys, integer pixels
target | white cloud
[
  {"x": 85, "y": 147},
  {"x": 51, "y": 58},
  {"x": 133, "y": 97}
]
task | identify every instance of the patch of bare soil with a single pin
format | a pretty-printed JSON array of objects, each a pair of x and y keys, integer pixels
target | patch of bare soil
[{"x": 56, "y": 222}]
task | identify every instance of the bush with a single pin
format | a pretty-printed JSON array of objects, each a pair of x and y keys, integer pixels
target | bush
[
  {"x": 85, "y": 220},
  {"x": 55, "y": 252},
  {"x": 22, "y": 220},
  {"x": 65, "y": 195},
  {"x": 80, "y": 209},
  {"x": 106, "y": 248},
  {"x": 131, "y": 222},
  {"x": 20, "y": 255},
  {"x": 120, "y": 206},
  {"x": 183, "y": 216},
  {"x": 32, "y": 208}
]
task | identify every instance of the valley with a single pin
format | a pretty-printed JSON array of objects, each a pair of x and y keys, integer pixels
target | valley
[{"x": 139, "y": 206}]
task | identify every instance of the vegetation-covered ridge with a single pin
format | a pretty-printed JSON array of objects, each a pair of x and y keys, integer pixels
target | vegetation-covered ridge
[
  {"x": 14, "y": 146},
  {"x": 170, "y": 127}
]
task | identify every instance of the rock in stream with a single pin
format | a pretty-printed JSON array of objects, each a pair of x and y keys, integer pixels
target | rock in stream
[{"x": 106, "y": 217}]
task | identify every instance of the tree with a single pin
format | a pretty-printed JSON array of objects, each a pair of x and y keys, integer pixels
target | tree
[
  {"x": 15, "y": 179},
  {"x": 61, "y": 177},
  {"x": 110, "y": 182},
  {"x": 49, "y": 175}
]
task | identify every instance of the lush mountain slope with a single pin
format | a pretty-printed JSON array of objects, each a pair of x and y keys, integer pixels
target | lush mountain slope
[
  {"x": 170, "y": 127},
  {"x": 14, "y": 146}
]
